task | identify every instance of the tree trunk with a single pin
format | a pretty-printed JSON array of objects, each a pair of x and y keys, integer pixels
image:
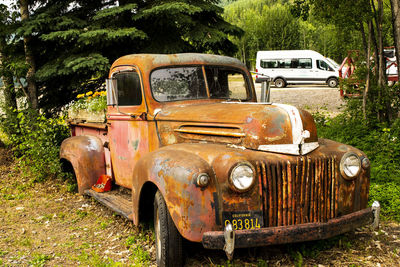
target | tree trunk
[
  {"x": 396, "y": 30},
  {"x": 10, "y": 98},
  {"x": 367, "y": 83},
  {"x": 30, "y": 60},
  {"x": 364, "y": 39}
]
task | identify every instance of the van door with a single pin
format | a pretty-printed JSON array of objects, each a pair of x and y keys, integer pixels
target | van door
[
  {"x": 301, "y": 70},
  {"x": 323, "y": 71}
]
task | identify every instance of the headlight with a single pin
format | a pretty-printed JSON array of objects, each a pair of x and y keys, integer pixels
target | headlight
[
  {"x": 242, "y": 176},
  {"x": 350, "y": 165}
]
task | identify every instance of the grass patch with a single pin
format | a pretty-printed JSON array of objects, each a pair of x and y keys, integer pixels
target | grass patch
[{"x": 39, "y": 260}]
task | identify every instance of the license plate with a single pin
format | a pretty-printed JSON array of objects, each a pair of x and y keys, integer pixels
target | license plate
[{"x": 243, "y": 220}]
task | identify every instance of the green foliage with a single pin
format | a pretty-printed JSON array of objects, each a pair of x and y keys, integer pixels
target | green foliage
[
  {"x": 90, "y": 102},
  {"x": 381, "y": 143},
  {"x": 39, "y": 260},
  {"x": 388, "y": 195},
  {"x": 268, "y": 25},
  {"x": 72, "y": 42},
  {"x": 138, "y": 253},
  {"x": 36, "y": 142}
]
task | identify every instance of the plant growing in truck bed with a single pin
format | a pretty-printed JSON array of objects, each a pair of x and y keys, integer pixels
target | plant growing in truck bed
[{"x": 90, "y": 106}]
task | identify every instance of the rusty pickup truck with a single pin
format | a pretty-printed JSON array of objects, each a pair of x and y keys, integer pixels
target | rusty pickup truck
[{"x": 186, "y": 144}]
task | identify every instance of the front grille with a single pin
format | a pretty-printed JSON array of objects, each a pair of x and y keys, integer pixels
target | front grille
[{"x": 298, "y": 192}]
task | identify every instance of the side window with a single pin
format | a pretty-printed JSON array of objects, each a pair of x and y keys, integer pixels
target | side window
[
  {"x": 322, "y": 65},
  {"x": 226, "y": 83},
  {"x": 269, "y": 64},
  {"x": 129, "y": 88},
  {"x": 285, "y": 63},
  {"x": 305, "y": 63}
]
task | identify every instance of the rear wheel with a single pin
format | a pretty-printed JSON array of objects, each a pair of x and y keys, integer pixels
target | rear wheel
[
  {"x": 280, "y": 83},
  {"x": 168, "y": 239},
  {"x": 332, "y": 82}
]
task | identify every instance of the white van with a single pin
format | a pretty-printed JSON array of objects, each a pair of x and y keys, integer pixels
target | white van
[{"x": 296, "y": 67}]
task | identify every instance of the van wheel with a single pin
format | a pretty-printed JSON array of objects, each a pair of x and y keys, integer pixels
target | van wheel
[
  {"x": 168, "y": 239},
  {"x": 280, "y": 83},
  {"x": 332, "y": 82}
]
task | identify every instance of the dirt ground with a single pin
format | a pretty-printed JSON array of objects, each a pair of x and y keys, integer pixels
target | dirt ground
[
  {"x": 43, "y": 224},
  {"x": 309, "y": 97}
]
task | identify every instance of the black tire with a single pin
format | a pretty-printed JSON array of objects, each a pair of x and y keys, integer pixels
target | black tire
[
  {"x": 168, "y": 239},
  {"x": 332, "y": 82},
  {"x": 280, "y": 83}
]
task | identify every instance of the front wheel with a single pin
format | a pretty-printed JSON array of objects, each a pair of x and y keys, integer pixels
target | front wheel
[
  {"x": 168, "y": 239},
  {"x": 332, "y": 82},
  {"x": 280, "y": 83}
]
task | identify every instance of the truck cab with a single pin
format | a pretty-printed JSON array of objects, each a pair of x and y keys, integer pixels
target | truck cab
[{"x": 186, "y": 143}]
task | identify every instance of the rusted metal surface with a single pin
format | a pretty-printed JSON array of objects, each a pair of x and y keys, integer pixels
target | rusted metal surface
[
  {"x": 169, "y": 144},
  {"x": 86, "y": 154},
  {"x": 291, "y": 234}
]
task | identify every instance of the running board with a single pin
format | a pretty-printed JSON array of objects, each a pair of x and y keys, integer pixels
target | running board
[{"x": 115, "y": 202}]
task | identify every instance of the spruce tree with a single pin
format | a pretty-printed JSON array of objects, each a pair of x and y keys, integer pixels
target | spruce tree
[{"x": 75, "y": 42}]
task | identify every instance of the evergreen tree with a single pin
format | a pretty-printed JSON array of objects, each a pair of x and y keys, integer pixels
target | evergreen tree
[{"x": 74, "y": 42}]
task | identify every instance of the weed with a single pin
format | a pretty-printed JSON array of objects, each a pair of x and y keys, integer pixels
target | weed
[
  {"x": 72, "y": 187},
  {"x": 26, "y": 242},
  {"x": 94, "y": 259},
  {"x": 39, "y": 260},
  {"x": 3, "y": 253},
  {"x": 262, "y": 263},
  {"x": 104, "y": 224},
  {"x": 140, "y": 256},
  {"x": 81, "y": 214}
]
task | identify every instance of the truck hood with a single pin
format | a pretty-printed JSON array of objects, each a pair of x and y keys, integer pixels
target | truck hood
[{"x": 260, "y": 126}]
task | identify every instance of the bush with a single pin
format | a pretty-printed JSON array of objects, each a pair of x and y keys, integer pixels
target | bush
[
  {"x": 35, "y": 141},
  {"x": 382, "y": 146},
  {"x": 388, "y": 195}
]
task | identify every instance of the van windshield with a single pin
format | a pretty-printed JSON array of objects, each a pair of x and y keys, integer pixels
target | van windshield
[{"x": 189, "y": 83}]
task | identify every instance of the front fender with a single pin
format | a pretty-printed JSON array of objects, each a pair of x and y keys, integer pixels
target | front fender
[
  {"x": 86, "y": 154},
  {"x": 174, "y": 172}
]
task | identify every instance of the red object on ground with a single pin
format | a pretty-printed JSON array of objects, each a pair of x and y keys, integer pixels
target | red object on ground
[{"x": 103, "y": 184}]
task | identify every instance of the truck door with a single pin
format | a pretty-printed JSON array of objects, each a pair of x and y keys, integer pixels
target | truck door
[{"x": 127, "y": 125}]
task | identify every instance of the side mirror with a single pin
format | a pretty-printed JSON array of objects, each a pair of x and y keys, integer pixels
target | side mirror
[{"x": 112, "y": 92}]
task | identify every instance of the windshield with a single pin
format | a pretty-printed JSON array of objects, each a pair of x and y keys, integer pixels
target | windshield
[
  {"x": 189, "y": 83},
  {"x": 333, "y": 63}
]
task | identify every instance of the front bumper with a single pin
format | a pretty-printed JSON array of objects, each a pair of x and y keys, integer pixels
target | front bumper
[{"x": 293, "y": 233}]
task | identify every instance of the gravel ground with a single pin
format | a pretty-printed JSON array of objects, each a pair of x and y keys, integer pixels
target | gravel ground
[{"x": 311, "y": 97}]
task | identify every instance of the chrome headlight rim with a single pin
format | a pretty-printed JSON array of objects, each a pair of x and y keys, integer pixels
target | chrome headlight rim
[
  {"x": 346, "y": 174},
  {"x": 232, "y": 172}
]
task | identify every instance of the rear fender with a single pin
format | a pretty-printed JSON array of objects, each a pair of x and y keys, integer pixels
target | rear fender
[
  {"x": 174, "y": 173},
  {"x": 86, "y": 155}
]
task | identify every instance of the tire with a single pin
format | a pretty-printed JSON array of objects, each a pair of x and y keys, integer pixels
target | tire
[
  {"x": 168, "y": 239},
  {"x": 280, "y": 83},
  {"x": 332, "y": 82}
]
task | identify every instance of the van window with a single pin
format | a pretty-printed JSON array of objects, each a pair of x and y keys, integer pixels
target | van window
[
  {"x": 129, "y": 89},
  {"x": 269, "y": 63},
  {"x": 286, "y": 63},
  {"x": 322, "y": 65}
]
